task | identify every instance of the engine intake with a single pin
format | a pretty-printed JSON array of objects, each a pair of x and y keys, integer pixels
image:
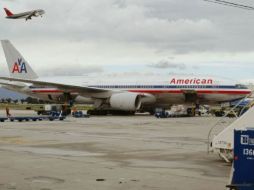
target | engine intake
[{"x": 125, "y": 101}]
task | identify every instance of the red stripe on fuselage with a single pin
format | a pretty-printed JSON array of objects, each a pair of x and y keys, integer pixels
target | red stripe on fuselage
[{"x": 47, "y": 91}]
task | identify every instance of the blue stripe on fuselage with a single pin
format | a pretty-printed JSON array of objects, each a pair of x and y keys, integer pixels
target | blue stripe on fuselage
[{"x": 170, "y": 86}]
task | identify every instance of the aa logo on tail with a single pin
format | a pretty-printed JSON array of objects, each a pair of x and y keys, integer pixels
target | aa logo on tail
[{"x": 19, "y": 67}]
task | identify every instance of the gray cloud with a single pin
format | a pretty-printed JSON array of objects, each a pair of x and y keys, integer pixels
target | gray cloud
[
  {"x": 178, "y": 26},
  {"x": 121, "y": 32},
  {"x": 195, "y": 67},
  {"x": 163, "y": 64}
]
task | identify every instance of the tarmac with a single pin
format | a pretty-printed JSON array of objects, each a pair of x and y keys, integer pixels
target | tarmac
[{"x": 110, "y": 152}]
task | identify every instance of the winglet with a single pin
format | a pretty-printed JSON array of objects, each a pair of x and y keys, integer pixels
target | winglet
[{"x": 8, "y": 12}]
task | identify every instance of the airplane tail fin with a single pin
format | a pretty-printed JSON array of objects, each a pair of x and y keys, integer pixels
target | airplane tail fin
[
  {"x": 18, "y": 67},
  {"x": 8, "y": 12}
]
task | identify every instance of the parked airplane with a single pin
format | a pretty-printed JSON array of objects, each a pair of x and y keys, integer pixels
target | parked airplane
[
  {"x": 26, "y": 15},
  {"x": 124, "y": 94}
]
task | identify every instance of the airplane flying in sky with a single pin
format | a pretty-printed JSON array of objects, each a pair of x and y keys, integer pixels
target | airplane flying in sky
[
  {"x": 124, "y": 93},
  {"x": 25, "y": 15}
]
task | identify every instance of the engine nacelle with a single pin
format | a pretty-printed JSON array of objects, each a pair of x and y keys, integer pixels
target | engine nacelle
[
  {"x": 83, "y": 100},
  {"x": 36, "y": 14},
  {"x": 125, "y": 101}
]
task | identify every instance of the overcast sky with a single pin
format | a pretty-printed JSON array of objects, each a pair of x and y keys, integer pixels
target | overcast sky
[{"x": 76, "y": 37}]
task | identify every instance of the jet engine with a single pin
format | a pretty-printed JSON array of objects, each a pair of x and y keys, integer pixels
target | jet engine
[
  {"x": 36, "y": 14},
  {"x": 125, "y": 101}
]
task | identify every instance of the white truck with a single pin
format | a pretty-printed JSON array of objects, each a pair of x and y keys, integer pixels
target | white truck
[{"x": 49, "y": 108}]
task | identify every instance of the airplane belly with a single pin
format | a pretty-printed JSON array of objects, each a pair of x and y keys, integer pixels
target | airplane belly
[
  {"x": 84, "y": 100},
  {"x": 215, "y": 98},
  {"x": 202, "y": 98},
  {"x": 170, "y": 98}
]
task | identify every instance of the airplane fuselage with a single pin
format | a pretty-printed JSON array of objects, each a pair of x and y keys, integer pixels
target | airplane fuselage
[
  {"x": 125, "y": 92},
  {"x": 27, "y": 15},
  {"x": 171, "y": 90}
]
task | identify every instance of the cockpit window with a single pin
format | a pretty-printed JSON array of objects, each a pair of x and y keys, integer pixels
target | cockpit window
[{"x": 241, "y": 86}]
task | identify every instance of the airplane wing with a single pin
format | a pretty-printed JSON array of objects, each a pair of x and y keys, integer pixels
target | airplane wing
[
  {"x": 65, "y": 87},
  {"x": 11, "y": 84},
  {"x": 30, "y": 15}
]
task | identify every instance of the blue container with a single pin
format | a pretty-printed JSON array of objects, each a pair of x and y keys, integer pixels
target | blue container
[{"x": 243, "y": 165}]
